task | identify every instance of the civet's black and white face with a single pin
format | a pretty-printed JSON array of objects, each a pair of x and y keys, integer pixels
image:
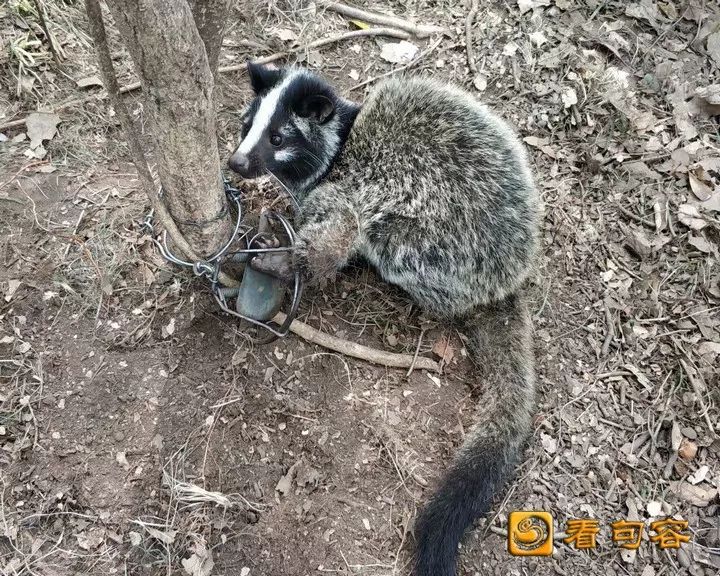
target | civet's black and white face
[{"x": 293, "y": 129}]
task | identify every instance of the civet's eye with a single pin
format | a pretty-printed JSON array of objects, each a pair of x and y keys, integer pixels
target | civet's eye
[{"x": 275, "y": 140}]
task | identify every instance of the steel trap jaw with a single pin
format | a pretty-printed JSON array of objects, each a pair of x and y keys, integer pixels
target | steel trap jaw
[{"x": 260, "y": 296}]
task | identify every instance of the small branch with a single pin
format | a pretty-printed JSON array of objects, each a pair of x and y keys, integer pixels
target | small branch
[
  {"x": 396, "y": 70},
  {"x": 635, "y": 217},
  {"x": 419, "y": 30},
  {"x": 356, "y": 350},
  {"x": 468, "y": 36},
  {"x": 391, "y": 32}
]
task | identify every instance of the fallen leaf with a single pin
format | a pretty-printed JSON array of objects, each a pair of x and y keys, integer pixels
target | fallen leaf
[
  {"x": 713, "y": 47},
  {"x": 93, "y": 80},
  {"x": 285, "y": 483},
  {"x": 654, "y": 508},
  {"x": 687, "y": 450},
  {"x": 359, "y": 24},
  {"x": 510, "y": 48},
  {"x": 526, "y": 5},
  {"x": 699, "y": 186},
  {"x": 169, "y": 330},
  {"x": 480, "y": 83},
  {"x": 709, "y": 348},
  {"x": 548, "y": 443},
  {"x": 167, "y": 537},
  {"x": 639, "y": 244},
  {"x": 676, "y": 436},
  {"x": 701, "y": 244},
  {"x": 699, "y": 475},
  {"x": 645, "y": 10},
  {"x": 691, "y": 217},
  {"x": 536, "y": 142},
  {"x": 200, "y": 562},
  {"x": 13, "y": 285},
  {"x": 714, "y": 202},
  {"x": 443, "y": 350},
  {"x": 538, "y": 38},
  {"x": 708, "y": 98},
  {"x": 135, "y": 538},
  {"x": 699, "y": 495},
  {"x": 41, "y": 126},
  {"x": 121, "y": 459},
  {"x": 641, "y": 378},
  {"x": 399, "y": 52},
  {"x": 284, "y": 34},
  {"x": 91, "y": 539}
]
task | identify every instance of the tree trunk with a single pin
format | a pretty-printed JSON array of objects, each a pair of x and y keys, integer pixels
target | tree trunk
[
  {"x": 210, "y": 18},
  {"x": 177, "y": 84}
]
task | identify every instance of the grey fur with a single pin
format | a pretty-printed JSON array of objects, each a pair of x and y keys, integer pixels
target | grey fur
[{"x": 435, "y": 191}]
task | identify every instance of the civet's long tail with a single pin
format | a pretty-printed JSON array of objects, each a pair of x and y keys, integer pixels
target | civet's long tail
[{"x": 501, "y": 348}]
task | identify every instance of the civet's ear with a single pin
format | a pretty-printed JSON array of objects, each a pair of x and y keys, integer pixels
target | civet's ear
[
  {"x": 263, "y": 78},
  {"x": 316, "y": 107}
]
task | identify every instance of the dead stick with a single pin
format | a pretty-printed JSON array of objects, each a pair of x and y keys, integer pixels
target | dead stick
[
  {"x": 389, "y": 359},
  {"x": 468, "y": 36},
  {"x": 392, "y": 32},
  {"x": 419, "y": 30}
]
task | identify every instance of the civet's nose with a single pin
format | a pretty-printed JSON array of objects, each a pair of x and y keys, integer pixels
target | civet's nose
[{"x": 239, "y": 162}]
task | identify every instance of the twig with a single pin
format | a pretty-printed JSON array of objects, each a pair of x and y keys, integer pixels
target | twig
[
  {"x": 468, "y": 36},
  {"x": 637, "y": 218},
  {"x": 389, "y": 359},
  {"x": 43, "y": 24},
  {"x": 97, "y": 29},
  {"x": 396, "y": 70},
  {"x": 417, "y": 351},
  {"x": 26, "y": 167},
  {"x": 698, "y": 387},
  {"x": 392, "y": 32},
  {"x": 419, "y": 30},
  {"x": 609, "y": 330}
]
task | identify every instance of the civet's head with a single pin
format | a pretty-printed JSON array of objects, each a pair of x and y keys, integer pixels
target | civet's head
[{"x": 293, "y": 129}]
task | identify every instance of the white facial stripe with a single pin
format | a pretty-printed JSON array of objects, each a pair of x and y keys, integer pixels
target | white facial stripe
[
  {"x": 285, "y": 155},
  {"x": 265, "y": 112}
]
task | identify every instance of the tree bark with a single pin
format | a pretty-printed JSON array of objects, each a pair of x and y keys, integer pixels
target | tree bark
[
  {"x": 177, "y": 82},
  {"x": 210, "y": 18}
]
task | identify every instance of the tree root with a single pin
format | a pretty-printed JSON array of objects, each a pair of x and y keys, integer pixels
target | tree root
[{"x": 389, "y": 359}]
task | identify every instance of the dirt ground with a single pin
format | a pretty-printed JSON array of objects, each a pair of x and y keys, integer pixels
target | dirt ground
[{"x": 142, "y": 433}]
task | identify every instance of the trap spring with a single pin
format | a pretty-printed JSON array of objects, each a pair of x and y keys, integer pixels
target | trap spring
[{"x": 211, "y": 267}]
